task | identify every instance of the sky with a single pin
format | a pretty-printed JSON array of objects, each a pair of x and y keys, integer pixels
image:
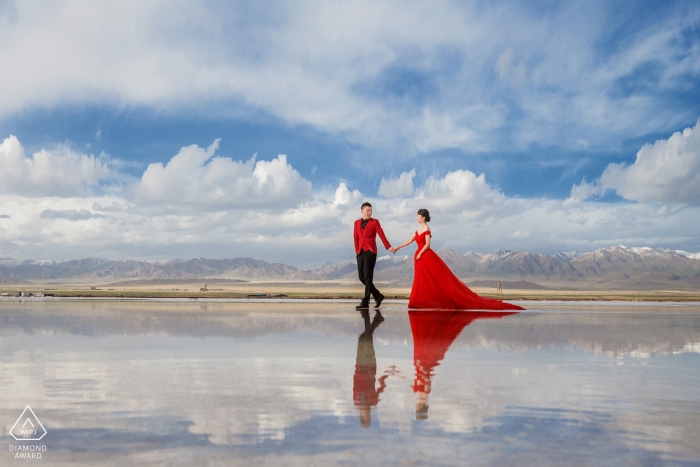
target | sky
[{"x": 159, "y": 130}]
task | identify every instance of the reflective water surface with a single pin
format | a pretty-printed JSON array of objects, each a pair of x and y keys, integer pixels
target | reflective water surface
[{"x": 189, "y": 383}]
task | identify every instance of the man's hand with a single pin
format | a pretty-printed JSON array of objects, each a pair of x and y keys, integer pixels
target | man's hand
[{"x": 392, "y": 249}]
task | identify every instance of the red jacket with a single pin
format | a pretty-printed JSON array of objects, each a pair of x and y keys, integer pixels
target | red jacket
[{"x": 366, "y": 239}]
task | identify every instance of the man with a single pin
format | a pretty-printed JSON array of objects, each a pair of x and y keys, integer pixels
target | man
[{"x": 366, "y": 230}]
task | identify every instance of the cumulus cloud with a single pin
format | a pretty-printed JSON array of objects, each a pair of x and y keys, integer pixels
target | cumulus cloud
[
  {"x": 321, "y": 228},
  {"x": 460, "y": 189},
  {"x": 217, "y": 207},
  {"x": 667, "y": 171},
  {"x": 397, "y": 187},
  {"x": 344, "y": 197},
  {"x": 194, "y": 177},
  {"x": 60, "y": 172}
]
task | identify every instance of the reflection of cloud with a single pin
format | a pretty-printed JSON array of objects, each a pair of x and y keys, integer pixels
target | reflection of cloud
[
  {"x": 264, "y": 378},
  {"x": 692, "y": 347}
]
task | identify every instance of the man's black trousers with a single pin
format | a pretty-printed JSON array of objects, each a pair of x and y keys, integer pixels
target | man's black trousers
[{"x": 365, "y": 270}]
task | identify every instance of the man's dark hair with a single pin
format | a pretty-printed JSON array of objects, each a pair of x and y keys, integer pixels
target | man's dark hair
[{"x": 365, "y": 204}]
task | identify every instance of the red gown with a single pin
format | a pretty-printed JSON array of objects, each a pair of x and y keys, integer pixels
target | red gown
[{"x": 435, "y": 286}]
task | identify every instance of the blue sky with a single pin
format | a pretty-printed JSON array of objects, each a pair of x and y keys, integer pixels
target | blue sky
[{"x": 522, "y": 124}]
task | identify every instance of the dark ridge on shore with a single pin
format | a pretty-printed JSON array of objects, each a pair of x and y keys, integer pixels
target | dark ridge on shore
[
  {"x": 175, "y": 282},
  {"x": 519, "y": 285}
]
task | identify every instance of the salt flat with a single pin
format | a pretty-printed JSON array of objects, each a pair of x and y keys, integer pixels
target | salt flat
[{"x": 177, "y": 382}]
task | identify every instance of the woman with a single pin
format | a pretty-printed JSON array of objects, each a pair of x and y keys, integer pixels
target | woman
[{"x": 434, "y": 285}]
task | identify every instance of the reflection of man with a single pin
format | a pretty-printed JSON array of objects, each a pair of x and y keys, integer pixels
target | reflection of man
[{"x": 364, "y": 391}]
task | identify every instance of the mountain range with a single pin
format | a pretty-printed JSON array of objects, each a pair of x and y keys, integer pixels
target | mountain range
[
  {"x": 613, "y": 267},
  {"x": 617, "y": 266}
]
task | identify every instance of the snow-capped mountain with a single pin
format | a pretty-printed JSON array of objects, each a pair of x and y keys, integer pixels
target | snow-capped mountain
[
  {"x": 629, "y": 266},
  {"x": 617, "y": 266}
]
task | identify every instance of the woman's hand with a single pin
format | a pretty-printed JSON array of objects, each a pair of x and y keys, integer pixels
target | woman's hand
[{"x": 418, "y": 256}]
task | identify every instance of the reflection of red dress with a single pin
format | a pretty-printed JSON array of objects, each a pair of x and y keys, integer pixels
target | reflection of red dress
[
  {"x": 433, "y": 333},
  {"x": 435, "y": 286}
]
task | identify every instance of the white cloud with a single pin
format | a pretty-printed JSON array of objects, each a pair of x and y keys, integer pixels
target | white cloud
[
  {"x": 460, "y": 189},
  {"x": 194, "y": 177},
  {"x": 343, "y": 196},
  {"x": 397, "y": 187},
  {"x": 667, "y": 171},
  {"x": 59, "y": 172},
  {"x": 304, "y": 65},
  {"x": 439, "y": 130},
  {"x": 182, "y": 209},
  {"x": 520, "y": 234}
]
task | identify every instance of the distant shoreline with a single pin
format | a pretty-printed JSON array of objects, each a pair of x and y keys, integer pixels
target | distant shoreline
[{"x": 282, "y": 295}]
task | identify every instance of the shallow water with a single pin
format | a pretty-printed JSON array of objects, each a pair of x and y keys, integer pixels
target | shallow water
[{"x": 214, "y": 383}]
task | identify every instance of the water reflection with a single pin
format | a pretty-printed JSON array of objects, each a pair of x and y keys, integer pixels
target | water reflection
[
  {"x": 433, "y": 333},
  {"x": 365, "y": 392},
  {"x": 253, "y": 384}
]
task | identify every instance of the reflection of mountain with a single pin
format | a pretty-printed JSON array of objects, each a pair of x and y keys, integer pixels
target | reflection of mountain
[
  {"x": 606, "y": 333},
  {"x": 615, "y": 267}
]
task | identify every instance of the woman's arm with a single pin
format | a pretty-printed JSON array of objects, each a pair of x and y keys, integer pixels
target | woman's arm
[
  {"x": 427, "y": 245},
  {"x": 406, "y": 243}
]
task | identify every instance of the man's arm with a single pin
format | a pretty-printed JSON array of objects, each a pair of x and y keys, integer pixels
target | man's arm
[
  {"x": 356, "y": 238},
  {"x": 386, "y": 243}
]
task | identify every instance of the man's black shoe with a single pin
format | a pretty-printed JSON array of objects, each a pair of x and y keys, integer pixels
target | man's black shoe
[
  {"x": 363, "y": 306},
  {"x": 379, "y": 301}
]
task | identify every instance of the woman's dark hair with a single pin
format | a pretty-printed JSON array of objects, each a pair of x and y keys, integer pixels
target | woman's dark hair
[{"x": 424, "y": 213}]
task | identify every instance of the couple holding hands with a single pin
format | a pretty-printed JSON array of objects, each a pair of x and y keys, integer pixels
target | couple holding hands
[{"x": 434, "y": 284}]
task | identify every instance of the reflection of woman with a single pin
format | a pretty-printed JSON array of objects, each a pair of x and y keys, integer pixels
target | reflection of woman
[
  {"x": 433, "y": 333},
  {"x": 364, "y": 392},
  {"x": 434, "y": 285}
]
